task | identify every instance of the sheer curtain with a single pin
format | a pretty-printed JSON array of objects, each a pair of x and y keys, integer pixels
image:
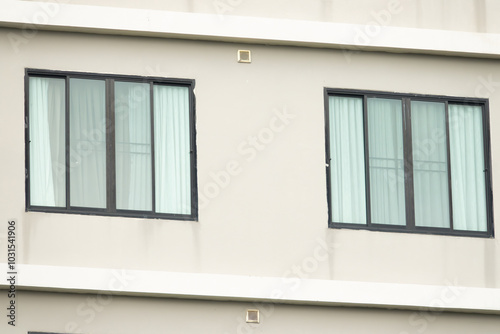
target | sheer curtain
[
  {"x": 430, "y": 169},
  {"x": 133, "y": 146},
  {"x": 87, "y": 143},
  {"x": 385, "y": 140},
  {"x": 347, "y": 164},
  {"x": 47, "y": 142},
  {"x": 467, "y": 168},
  {"x": 172, "y": 149}
]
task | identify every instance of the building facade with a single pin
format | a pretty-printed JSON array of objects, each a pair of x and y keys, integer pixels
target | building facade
[{"x": 249, "y": 166}]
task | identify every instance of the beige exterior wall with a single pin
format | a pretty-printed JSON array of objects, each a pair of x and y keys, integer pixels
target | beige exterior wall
[
  {"x": 461, "y": 15},
  {"x": 272, "y": 215},
  {"x": 263, "y": 217},
  {"x": 66, "y": 313}
]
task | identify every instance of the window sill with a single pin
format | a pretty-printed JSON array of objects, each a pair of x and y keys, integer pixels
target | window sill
[
  {"x": 290, "y": 290},
  {"x": 119, "y": 213},
  {"x": 418, "y": 230}
]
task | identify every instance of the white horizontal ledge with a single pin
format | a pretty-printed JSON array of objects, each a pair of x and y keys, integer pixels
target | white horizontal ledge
[
  {"x": 284, "y": 290},
  {"x": 33, "y": 15}
]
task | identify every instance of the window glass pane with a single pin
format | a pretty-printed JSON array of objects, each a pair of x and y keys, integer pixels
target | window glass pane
[
  {"x": 172, "y": 149},
  {"x": 87, "y": 143},
  {"x": 47, "y": 142},
  {"x": 133, "y": 146},
  {"x": 430, "y": 164},
  {"x": 467, "y": 168},
  {"x": 347, "y": 164},
  {"x": 385, "y": 139}
]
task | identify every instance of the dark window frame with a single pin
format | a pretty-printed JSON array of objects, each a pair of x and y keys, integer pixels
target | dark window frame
[
  {"x": 110, "y": 209},
  {"x": 409, "y": 201}
]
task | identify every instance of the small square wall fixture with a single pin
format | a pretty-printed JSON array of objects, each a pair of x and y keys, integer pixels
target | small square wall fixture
[
  {"x": 244, "y": 56},
  {"x": 253, "y": 316}
]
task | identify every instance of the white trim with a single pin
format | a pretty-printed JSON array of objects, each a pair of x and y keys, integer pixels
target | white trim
[
  {"x": 289, "y": 290},
  {"x": 142, "y": 22}
]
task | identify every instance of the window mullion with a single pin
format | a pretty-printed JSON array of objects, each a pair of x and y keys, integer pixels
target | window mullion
[
  {"x": 448, "y": 158},
  {"x": 153, "y": 176},
  {"x": 487, "y": 167},
  {"x": 408, "y": 164},
  {"x": 367, "y": 162},
  {"x": 110, "y": 147},
  {"x": 192, "y": 159},
  {"x": 66, "y": 141}
]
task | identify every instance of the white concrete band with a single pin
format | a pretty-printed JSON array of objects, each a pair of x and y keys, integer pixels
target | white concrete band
[
  {"x": 287, "y": 290},
  {"x": 373, "y": 36}
]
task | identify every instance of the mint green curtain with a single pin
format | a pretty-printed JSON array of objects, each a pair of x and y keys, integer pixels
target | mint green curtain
[
  {"x": 386, "y": 161},
  {"x": 467, "y": 168},
  {"x": 431, "y": 174},
  {"x": 172, "y": 149},
  {"x": 347, "y": 165},
  {"x": 47, "y": 177},
  {"x": 133, "y": 146},
  {"x": 430, "y": 164},
  {"x": 87, "y": 145},
  {"x": 87, "y": 117}
]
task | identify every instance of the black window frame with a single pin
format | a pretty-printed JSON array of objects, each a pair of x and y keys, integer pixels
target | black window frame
[
  {"x": 409, "y": 201},
  {"x": 110, "y": 209}
]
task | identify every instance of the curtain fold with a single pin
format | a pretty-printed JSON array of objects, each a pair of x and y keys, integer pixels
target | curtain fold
[
  {"x": 133, "y": 146},
  {"x": 386, "y": 161},
  {"x": 347, "y": 164},
  {"x": 430, "y": 164},
  {"x": 47, "y": 142},
  {"x": 467, "y": 168},
  {"x": 172, "y": 149},
  {"x": 87, "y": 143}
]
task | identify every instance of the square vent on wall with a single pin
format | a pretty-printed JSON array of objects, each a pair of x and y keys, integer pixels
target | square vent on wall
[{"x": 244, "y": 56}]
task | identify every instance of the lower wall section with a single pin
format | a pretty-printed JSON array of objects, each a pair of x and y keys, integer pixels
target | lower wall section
[{"x": 107, "y": 314}]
